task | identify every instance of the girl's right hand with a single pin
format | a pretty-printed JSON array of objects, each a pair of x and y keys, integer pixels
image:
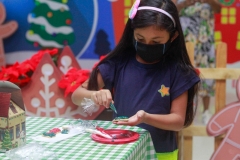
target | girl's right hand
[{"x": 102, "y": 97}]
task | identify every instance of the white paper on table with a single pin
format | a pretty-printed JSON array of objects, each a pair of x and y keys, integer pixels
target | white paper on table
[{"x": 59, "y": 136}]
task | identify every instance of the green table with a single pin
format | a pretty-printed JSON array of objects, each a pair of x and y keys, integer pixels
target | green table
[{"x": 82, "y": 147}]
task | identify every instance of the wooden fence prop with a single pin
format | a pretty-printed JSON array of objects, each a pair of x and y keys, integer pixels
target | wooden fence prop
[{"x": 220, "y": 74}]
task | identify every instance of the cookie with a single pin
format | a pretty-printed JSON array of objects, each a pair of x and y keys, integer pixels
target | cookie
[
  {"x": 121, "y": 118},
  {"x": 49, "y": 134}
]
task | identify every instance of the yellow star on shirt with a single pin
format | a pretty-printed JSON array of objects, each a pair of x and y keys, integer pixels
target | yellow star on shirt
[{"x": 164, "y": 90}]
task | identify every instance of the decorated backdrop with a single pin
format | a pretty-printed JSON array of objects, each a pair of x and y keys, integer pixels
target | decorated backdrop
[
  {"x": 228, "y": 28},
  {"x": 86, "y": 26},
  {"x": 91, "y": 28}
]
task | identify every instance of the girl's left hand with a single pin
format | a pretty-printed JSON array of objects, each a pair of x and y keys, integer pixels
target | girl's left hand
[{"x": 134, "y": 120}]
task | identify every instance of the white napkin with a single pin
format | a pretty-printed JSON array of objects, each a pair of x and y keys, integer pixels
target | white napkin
[{"x": 59, "y": 136}]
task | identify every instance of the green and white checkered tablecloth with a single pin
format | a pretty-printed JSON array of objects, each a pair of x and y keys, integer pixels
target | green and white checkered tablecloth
[{"x": 82, "y": 147}]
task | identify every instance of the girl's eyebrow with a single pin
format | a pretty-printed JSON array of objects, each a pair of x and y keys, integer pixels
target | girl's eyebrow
[
  {"x": 157, "y": 37},
  {"x": 152, "y": 38},
  {"x": 137, "y": 34}
]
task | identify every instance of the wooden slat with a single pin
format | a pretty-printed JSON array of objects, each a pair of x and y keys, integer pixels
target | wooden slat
[
  {"x": 187, "y": 148},
  {"x": 190, "y": 50},
  {"x": 185, "y": 143},
  {"x": 194, "y": 131},
  {"x": 219, "y": 73},
  {"x": 220, "y": 91}
]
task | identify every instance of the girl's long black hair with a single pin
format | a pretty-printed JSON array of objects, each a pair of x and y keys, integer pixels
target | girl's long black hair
[{"x": 177, "y": 51}]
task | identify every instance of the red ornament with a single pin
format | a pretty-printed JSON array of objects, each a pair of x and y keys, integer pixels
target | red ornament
[
  {"x": 68, "y": 21},
  {"x": 197, "y": 71},
  {"x": 65, "y": 42},
  {"x": 55, "y": 130},
  {"x": 54, "y": 34},
  {"x": 35, "y": 44},
  {"x": 49, "y": 14}
]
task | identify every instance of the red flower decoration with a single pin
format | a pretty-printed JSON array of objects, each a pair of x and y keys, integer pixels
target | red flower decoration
[
  {"x": 20, "y": 74},
  {"x": 35, "y": 59},
  {"x": 73, "y": 79},
  {"x": 197, "y": 71}
]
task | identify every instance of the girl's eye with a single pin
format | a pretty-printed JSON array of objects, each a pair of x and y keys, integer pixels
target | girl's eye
[
  {"x": 140, "y": 40},
  {"x": 154, "y": 42}
]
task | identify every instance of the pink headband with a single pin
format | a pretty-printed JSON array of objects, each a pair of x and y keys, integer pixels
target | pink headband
[{"x": 135, "y": 8}]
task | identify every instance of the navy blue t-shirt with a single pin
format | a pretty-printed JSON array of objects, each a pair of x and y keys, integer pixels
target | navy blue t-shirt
[{"x": 148, "y": 87}]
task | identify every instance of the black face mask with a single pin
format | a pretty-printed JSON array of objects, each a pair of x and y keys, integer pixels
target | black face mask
[{"x": 151, "y": 53}]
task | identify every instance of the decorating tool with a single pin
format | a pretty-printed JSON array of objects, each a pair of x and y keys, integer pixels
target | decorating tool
[
  {"x": 113, "y": 107},
  {"x": 103, "y": 134}
]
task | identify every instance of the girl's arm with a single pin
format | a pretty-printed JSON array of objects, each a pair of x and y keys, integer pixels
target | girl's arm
[
  {"x": 173, "y": 121},
  {"x": 101, "y": 97}
]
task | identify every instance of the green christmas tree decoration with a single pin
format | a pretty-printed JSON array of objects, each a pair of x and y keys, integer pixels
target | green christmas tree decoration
[
  {"x": 50, "y": 25},
  {"x": 7, "y": 143},
  {"x": 227, "y": 2}
]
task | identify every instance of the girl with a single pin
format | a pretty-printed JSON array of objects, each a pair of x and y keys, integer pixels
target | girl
[{"x": 148, "y": 76}]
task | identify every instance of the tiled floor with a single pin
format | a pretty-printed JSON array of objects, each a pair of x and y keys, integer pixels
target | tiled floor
[{"x": 203, "y": 147}]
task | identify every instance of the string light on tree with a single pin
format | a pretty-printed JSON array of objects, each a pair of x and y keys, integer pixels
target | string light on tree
[
  {"x": 35, "y": 44},
  {"x": 62, "y": 10},
  {"x": 65, "y": 42},
  {"x": 33, "y": 15},
  {"x": 227, "y": 2},
  {"x": 37, "y": 2},
  {"x": 49, "y": 14},
  {"x": 43, "y": 27},
  {"x": 64, "y": 1},
  {"x": 68, "y": 21},
  {"x": 30, "y": 32},
  {"x": 54, "y": 34}
]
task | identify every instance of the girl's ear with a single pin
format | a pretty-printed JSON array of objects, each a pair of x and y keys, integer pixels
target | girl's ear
[{"x": 174, "y": 36}]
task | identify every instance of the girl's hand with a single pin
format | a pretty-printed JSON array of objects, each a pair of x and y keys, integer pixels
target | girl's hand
[
  {"x": 102, "y": 97},
  {"x": 134, "y": 120}
]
